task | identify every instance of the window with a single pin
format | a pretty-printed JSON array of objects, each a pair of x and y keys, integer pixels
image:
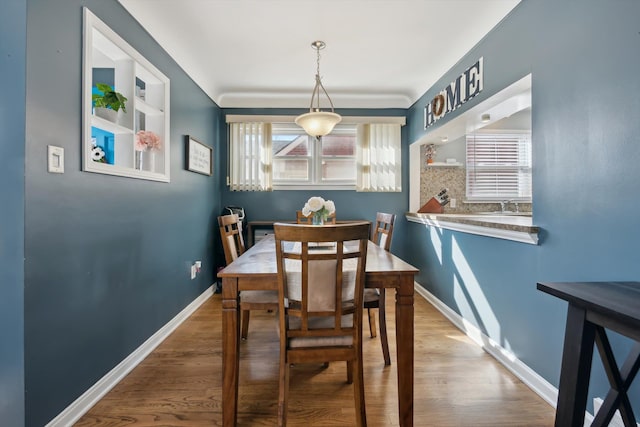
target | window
[
  {"x": 272, "y": 152},
  {"x": 499, "y": 166},
  {"x": 299, "y": 159}
]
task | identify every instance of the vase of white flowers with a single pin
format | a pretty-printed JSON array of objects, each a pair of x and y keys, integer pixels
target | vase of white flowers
[{"x": 319, "y": 208}]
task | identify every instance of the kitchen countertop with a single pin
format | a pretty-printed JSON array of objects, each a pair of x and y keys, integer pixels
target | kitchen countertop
[{"x": 510, "y": 227}]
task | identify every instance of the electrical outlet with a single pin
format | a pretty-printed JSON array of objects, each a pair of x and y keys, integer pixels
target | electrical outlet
[
  {"x": 194, "y": 271},
  {"x": 453, "y": 203}
]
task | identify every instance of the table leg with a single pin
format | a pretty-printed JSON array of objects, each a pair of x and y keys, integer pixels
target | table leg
[
  {"x": 576, "y": 369},
  {"x": 620, "y": 381},
  {"x": 230, "y": 350},
  {"x": 404, "y": 346}
]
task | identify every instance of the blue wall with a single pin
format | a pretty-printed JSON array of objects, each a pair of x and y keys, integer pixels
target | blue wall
[
  {"x": 13, "y": 24},
  {"x": 106, "y": 258},
  {"x": 584, "y": 59}
]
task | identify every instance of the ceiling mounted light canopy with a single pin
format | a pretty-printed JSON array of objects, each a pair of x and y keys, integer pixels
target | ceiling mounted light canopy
[{"x": 318, "y": 123}]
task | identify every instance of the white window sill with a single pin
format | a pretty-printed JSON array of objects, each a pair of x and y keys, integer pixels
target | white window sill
[{"x": 516, "y": 228}]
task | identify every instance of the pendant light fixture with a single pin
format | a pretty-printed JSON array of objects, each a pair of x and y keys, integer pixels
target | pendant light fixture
[{"x": 318, "y": 123}]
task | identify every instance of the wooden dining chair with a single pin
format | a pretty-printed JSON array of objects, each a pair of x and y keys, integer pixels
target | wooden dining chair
[
  {"x": 374, "y": 297},
  {"x": 321, "y": 302},
  {"x": 233, "y": 244},
  {"x": 301, "y": 219}
]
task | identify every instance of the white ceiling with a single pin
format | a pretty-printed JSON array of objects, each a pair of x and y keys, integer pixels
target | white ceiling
[{"x": 257, "y": 53}]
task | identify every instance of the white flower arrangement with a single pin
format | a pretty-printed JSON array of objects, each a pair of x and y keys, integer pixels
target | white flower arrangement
[{"x": 319, "y": 207}]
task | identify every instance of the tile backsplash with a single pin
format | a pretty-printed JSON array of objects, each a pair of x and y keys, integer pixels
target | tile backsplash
[{"x": 435, "y": 178}]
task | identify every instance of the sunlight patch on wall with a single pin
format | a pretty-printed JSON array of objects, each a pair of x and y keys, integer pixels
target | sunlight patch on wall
[
  {"x": 436, "y": 242},
  {"x": 469, "y": 296}
]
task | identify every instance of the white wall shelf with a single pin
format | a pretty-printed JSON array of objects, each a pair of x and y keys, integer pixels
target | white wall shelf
[
  {"x": 109, "y": 59},
  {"x": 143, "y": 106},
  {"x": 108, "y": 126}
]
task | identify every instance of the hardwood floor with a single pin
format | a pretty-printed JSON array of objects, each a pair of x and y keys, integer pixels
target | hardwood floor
[{"x": 456, "y": 382}]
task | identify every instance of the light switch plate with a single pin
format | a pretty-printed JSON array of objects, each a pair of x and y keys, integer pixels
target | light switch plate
[{"x": 55, "y": 159}]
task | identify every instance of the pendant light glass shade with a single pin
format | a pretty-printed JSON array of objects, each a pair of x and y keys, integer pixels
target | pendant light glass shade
[{"x": 318, "y": 123}]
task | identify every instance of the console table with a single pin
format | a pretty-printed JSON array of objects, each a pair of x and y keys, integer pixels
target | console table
[{"x": 594, "y": 306}]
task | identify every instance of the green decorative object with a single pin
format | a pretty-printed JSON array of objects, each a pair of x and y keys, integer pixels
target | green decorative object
[{"x": 109, "y": 98}]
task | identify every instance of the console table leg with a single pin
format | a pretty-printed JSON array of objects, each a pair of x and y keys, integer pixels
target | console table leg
[
  {"x": 620, "y": 380},
  {"x": 576, "y": 368}
]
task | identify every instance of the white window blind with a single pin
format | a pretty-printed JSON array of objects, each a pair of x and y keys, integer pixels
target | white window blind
[
  {"x": 250, "y": 157},
  {"x": 499, "y": 166},
  {"x": 378, "y": 157}
]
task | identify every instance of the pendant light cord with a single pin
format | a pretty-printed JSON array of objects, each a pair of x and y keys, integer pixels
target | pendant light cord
[{"x": 319, "y": 85}]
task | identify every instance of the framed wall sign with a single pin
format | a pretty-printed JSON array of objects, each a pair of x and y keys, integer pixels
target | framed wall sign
[{"x": 199, "y": 156}]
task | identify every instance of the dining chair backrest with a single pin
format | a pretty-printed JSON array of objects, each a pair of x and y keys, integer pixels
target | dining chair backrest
[
  {"x": 321, "y": 273},
  {"x": 231, "y": 235},
  {"x": 383, "y": 230},
  {"x": 301, "y": 219}
]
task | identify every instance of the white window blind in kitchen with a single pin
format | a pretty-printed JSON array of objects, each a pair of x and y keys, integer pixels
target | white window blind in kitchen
[{"x": 499, "y": 166}]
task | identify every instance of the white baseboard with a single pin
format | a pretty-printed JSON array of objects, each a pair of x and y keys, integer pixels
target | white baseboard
[
  {"x": 90, "y": 397},
  {"x": 535, "y": 382}
]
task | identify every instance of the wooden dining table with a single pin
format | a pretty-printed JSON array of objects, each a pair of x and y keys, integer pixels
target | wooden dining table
[{"x": 256, "y": 270}]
